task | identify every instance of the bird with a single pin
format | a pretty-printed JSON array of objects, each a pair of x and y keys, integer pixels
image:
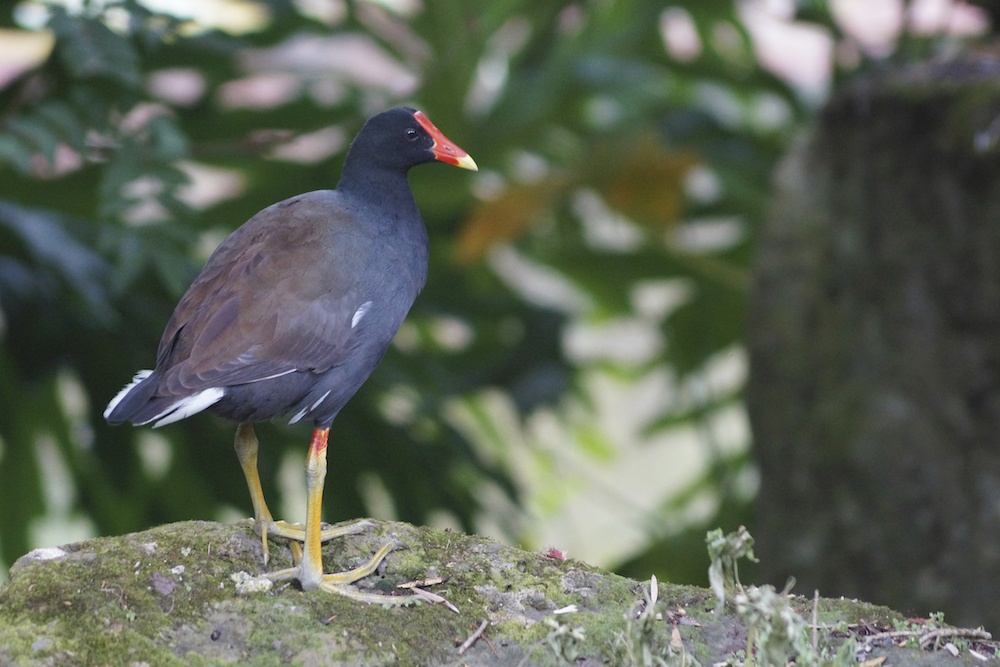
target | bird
[{"x": 292, "y": 313}]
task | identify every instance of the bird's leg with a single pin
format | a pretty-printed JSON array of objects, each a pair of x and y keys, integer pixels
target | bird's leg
[
  {"x": 311, "y": 567},
  {"x": 246, "y": 446},
  {"x": 310, "y": 570}
]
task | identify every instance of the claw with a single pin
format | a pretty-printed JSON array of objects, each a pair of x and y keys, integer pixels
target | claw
[
  {"x": 263, "y": 544},
  {"x": 397, "y": 543}
]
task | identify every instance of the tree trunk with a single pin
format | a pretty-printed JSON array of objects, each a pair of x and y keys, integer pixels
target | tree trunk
[{"x": 875, "y": 346}]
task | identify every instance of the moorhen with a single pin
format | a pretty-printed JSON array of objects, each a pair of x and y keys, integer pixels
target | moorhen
[{"x": 292, "y": 313}]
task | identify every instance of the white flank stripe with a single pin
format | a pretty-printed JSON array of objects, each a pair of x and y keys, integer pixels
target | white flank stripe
[
  {"x": 297, "y": 416},
  {"x": 359, "y": 313},
  {"x": 189, "y": 406},
  {"x": 302, "y": 413},
  {"x": 139, "y": 377},
  {"x": 318, "y": 401}
]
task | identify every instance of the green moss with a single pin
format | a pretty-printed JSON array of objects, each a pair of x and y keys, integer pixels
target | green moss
[{"x": 164, "y": 597}]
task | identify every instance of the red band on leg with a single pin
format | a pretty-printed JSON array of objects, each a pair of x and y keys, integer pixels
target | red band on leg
[{"x": 318, "y": 446}]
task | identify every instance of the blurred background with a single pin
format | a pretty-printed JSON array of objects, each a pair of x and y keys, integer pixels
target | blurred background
[{"x": 573, "y": 374}]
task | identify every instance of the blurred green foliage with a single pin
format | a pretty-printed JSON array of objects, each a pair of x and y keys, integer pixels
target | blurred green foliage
[{"x": 554, "y": 100}]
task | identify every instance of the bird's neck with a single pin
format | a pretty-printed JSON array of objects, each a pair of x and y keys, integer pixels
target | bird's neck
[{"x": 380, "y": 189}]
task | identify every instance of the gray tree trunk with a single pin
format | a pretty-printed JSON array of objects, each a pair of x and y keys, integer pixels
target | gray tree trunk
[{"x": 875, "y": 346}]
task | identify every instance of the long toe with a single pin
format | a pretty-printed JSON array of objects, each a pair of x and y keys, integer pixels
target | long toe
[
  {"x": 363, "y": 571},
  {"x": 355, "y": 528},
  {"x": 339, "y": 582},
  {"x": 296, "y": 531},
  {"x": 370, "y": 598}
]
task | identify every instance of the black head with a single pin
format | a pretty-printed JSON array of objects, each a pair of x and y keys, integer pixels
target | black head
[{"x": 401, "y": 138}]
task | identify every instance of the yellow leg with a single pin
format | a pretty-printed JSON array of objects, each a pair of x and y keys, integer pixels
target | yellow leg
[
  {"x": 309, "y": 571},
  {"x": 311, "y": 567},
  {"x": 246, "y": 446}
]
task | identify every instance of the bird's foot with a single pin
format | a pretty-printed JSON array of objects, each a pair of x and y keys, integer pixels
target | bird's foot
[
  {"x": 296, "y": 533},
  {"x": 340, "y": 582}
]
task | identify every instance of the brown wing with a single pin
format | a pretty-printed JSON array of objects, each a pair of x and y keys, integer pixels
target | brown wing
[{"x": 277, "y": 296}]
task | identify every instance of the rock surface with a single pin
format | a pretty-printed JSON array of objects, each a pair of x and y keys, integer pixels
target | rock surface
[{"x": 165, "y": 596}]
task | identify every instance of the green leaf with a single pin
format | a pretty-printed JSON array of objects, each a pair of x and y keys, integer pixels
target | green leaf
[
  {"x": 66, "y": 120},
  {"x": 15, "y": 153},
  {"x": 50, "y": 251},
  {"x": 167, "y": 140},
  {"x": 20, "y": 479},
  {"x": 123, "y": 167},
  {"x": 35, "y": 133},
  {"x": 89, "y": 49}
]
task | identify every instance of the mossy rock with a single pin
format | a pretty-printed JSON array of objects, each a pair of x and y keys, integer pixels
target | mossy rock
[{"x": 165, "y": 597}]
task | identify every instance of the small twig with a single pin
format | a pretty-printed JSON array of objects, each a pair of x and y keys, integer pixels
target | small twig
[
  {"x": 815, "y": 628},
  {"x": 433, "y": 581},
  {"x": 467, "y": 644},
  {"x": 527, "y": 656},
  {"x": 927, "y": 637},
  {"x": 111, "y": 589},
  {"x": 433, "y": 597},
  {"x": 936, "y": 635},
  {"x": 892, "y": 635}
]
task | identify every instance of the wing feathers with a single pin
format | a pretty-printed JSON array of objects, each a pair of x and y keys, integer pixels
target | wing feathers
[{"x": 272, "y": 300}]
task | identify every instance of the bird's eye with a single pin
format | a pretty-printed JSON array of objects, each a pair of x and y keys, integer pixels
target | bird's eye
[{"x": 411, "y": 134}]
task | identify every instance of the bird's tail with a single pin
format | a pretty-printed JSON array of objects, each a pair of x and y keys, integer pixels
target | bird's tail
[
  {"x": 139, "y": 404},
  {"x": 130, "y": 400}
]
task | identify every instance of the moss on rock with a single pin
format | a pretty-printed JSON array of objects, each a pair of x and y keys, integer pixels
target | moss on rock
[{"x": 164, "y": 597}]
